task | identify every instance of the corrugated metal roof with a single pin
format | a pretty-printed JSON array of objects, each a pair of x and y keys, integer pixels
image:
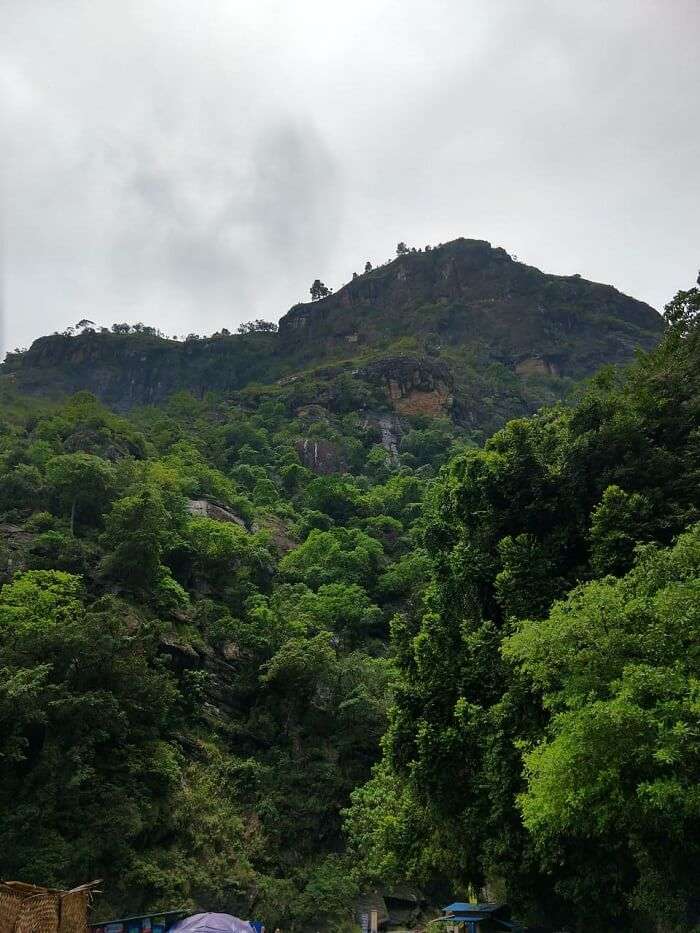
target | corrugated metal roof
[{"x": 459, "y": 907}]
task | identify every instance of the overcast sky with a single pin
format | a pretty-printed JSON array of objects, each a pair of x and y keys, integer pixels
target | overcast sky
[{"x": 196, "y": 163}]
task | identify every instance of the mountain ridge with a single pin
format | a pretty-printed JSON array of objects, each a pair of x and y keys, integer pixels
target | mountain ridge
[{"x": 508, "y": 337}]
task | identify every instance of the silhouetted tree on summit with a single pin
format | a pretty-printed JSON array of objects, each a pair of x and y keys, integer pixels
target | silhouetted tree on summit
[
  {"x": 257, "y": 327},
  {"x": 319, "y": 290}
]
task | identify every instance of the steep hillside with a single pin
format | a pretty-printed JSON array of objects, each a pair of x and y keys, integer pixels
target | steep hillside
[
  {"x": 460, "y": 330},
  {"x": 546, "y": 685},
  {"x": 250, "y": 643},
  {"x": 467, "y": 295},
  {"x": 129, "y": 370}
]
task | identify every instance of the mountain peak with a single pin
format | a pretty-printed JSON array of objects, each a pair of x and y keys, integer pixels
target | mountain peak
[
  {"x": 471, "y": 293},
  {"x": 508, "y": 337}
]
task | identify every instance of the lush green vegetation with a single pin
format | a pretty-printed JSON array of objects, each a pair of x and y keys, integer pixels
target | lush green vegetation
[
  {"x": 543, "y": 743},
  {"x": 188, "y": 702},
  {"x": 193, "y": 699}
]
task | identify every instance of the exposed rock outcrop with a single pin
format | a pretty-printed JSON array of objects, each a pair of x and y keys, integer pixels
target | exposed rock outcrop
[
  {"x": 468, "y": 293},
  {"x": 222, "y": 699},
  {"x": 129, "y": 370},
  {"x": 208, "y": 508},
  {"x": 536, "y": 366},
  {"x": 413, "y": 386},
  {"x": 320, "y": 455},
  {"x": 14, "y": 541},
  {"x": 390, "y": 434}
]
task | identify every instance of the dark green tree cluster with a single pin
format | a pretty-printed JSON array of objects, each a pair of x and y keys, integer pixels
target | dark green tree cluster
[
  {"x": 543, "y": 743},
  {"x": 318, "y": 290},
  {"x": 194, "y": 662},
  {"x": 215, "y": 613}
]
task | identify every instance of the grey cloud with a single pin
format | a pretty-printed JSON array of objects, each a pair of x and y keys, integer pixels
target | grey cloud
[
  {"x": 218, "y": 233},
  {"x": 195, "y": 165}
]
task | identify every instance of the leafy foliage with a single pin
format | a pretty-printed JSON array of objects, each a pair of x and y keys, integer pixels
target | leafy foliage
[
  {"x": 193, "y": 645},
  {"x": 198, "y": 685},
  {"x": 618, "y": 668},
  {"x": 564, "y": 752}
]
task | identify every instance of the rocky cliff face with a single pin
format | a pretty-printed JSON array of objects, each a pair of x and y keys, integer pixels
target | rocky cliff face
[
  {"x": 412, "y": 386},
  {"x": 320, "y": 455},
  {"x": 462, "y": 329},
  {"x": 468, "y": 294},
  {"x": 129, "y": 370}
]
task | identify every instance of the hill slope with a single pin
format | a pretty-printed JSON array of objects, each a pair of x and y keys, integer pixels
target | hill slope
[
  {"x": 203, "y": 641},
  {"x": 461, "y": 329}
]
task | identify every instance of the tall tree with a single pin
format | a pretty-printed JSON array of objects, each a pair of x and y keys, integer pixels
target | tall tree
[
  {"x": 81, "y": 484},
  {"x": 618, "y": 668}
]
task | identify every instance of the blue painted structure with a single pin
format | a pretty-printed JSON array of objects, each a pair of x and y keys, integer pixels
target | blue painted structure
[
  {"x": 471, "y": 916},
  {"x": 145, "y": 923}
]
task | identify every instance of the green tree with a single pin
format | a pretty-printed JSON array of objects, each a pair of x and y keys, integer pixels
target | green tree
[
  {"x": 510, "y": 529},
  {"x": 80, "y": 484},
  {"x": 337, "y": 496},
  {"x": 343, "y": 608},
  {"x": 682, "y": 312},
  {"x": 265, "y": 492},
  {"x": 340, "y": 555},
  {"x": 21, "y": 488},
  {"x": 319, "y": 290},
  {"x": 618, "y": 523},
  {"x": 256, "y": 327},
  {"x": 82, "y": 699},
  {"x": 618, "y": 667},
  {"x": 228, "y": 558},
  {"x": 378, "y": 463},
  {"x": 136, "y": 532}
]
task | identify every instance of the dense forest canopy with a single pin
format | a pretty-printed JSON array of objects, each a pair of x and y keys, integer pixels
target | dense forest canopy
[
  {"x": 194, "y": 645},
  {"x": 229, "y": 681},
  {"x": 543, "y": 739}
]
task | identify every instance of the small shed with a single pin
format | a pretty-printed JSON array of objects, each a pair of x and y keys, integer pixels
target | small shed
[
  {"x": 392, "y": 909},
  {"x": 371, "y": 912},
  {"x": 404, "y": 905},
  {"x": 461, "y": 917}
]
